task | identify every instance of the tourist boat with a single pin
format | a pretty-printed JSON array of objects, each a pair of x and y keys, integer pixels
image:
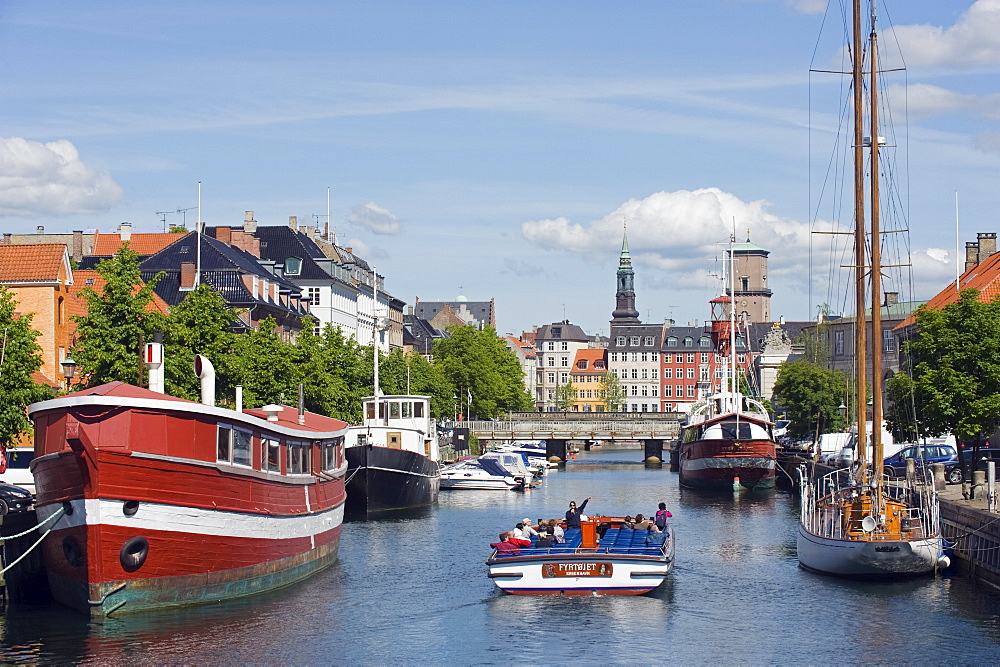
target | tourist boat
[
  {"x": 854, "y": 522},
  {"x": 727, "y": 442},
  {"x": 481, "y": 474},
  {"x": 392, "y": 456},
  {"x": 156, "y": 501},
  {"x": 619, "y": 562}
]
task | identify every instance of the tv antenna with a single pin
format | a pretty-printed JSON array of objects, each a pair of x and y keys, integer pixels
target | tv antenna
[
  {"x": 183, "y": 212},
  {"x": 163, "y": 218}
]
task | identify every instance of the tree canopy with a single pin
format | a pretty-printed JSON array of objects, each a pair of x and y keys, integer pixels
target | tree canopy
[
  {"x": 613, "y": 392},
  {"x": 118, "y": 320},
  {"x": 476, "y": 361},
  {"x": 953, "y": 381},
  {"x": 811, "y": 396}
]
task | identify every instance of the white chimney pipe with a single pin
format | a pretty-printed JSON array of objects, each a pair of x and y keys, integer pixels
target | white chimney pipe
[
  {"x": 206, "y": 373},
  {"x": 153, "y": 359},
  {"x": 239, "y": 398}
]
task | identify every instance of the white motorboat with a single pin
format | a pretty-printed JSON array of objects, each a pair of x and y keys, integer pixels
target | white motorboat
[{"x": 480, "y": 474}]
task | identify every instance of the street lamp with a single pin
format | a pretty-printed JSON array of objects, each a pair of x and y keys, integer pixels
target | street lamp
[{"x": 69, "y": 370}]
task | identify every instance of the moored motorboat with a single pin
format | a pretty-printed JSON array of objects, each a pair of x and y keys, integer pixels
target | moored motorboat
[
  {"x": 618, "y": 562},
  {"x": 475, "y": 474},
  {"x": 156, "y": 501}
]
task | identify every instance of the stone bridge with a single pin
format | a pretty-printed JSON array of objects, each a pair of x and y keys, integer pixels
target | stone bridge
[{"x": 558, "y": 429}]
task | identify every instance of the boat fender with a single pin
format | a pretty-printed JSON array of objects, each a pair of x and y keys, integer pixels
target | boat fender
[
  {"x": 130, "y": 507},
  {"x": 943, "y": 562},
  {"x": 133, "y": 553},
  {"x": 72, "y": 551}
]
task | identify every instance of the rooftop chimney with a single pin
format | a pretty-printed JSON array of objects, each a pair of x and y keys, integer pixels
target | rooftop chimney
[
  {"x": 987, "y": 244},
  {"x": 249, "y": 224},
  {"x": 77, "y": 244},
  {"x": 224, "y": 234},
  {"x": 971, "y": 254},
  {"x": 125, "y": 231},
  {"x": 40, "y": 229},
  {"x": 7, "y": 240},
  {"x": 293, "y": 222},
  {"x": 187, "y": 275}
]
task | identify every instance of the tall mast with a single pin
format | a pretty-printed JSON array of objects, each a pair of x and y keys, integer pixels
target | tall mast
[
  {"x": 375, "y": 330},
  {"x": 860, "y": 338},
  {"x": 876, "y": 242}
]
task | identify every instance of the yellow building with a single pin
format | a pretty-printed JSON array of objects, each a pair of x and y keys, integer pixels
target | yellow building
[{"x": 587, "y": 376}]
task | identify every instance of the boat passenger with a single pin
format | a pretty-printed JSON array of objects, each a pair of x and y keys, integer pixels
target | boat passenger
[
  {"x": 558, "y": 531},
  {"x": 662, "y": 515},
  {"x": 573, "y": 513},
  {"x": 505, "y": 545},
  {"x": 519, "y": 537},
  {"x": 628, "y": 523},
  {"x": 528, "y": 530},
  {"x": 547, "y": 539},
  {"x": 642, "y": 523}
]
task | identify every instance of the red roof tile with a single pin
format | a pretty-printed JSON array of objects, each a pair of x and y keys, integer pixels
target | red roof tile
[
  {"x": 984, "y": 277},
  {"x": 82, "y": 279},
  {"x": 142, "y": 244},
  {"x": 31, "y": 262}
]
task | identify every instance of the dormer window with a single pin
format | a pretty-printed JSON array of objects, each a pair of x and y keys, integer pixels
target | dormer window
[{"x": 293, "y": 266}]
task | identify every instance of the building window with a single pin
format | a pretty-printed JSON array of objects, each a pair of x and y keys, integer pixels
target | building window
[
  {"x": 655, "y": 389},
  {"x": 668, "y": 373},
  {"x": 680, "y": 390},
  {"x": 691, "y": 391},
  {"x": 678, "y": 358},
  {"x": 614, "y": 357},
  {"x": 645, "y": 390},
  {"x": 552, "y": 346},
  {"x": 293, "y": 266},
  {"x": 838, "y": 342},
  {"x": 672, "y": 341},
  {"x": 582, "y": 364},
  {"x": 704, "y": 341},
  {"x": 690, "y": 373},
  {"x": 635, "y": 373},
  {"x": 552, "y": 378},
  {"x": 635, "y": 390},
  {"x": 655, "y": 356},
  {"x": 563, "y": 378},
  {"x": 668, "y": 390},
  {"x": 690, "y": 359},
  {"x": 565, "y": 361},
  {"x": 888, "y": 341},
  {"x": 645, "y": 356},
  {"x": 645, "y": 373},
  {"x": 599, "y": 363},
  {"x": 704, "y": 357},
  {"x": 741, "y": 358},
  {"x": 634, "y": 341},
  {"x": 552, "y": 361},
  {"x": 620, "y": 341},
  {"x": 703, "y": 373},
  {"x": 312, "y": 296},
  {"x": 688, "y": 341},
  {"x": 649, "y": 341}
]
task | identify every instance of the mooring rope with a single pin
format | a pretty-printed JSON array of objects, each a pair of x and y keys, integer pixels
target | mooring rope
[{"x": 56, "y": 514}]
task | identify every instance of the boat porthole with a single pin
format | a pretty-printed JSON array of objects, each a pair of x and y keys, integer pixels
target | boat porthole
[
  {"x": 133, "y": 554},
  {"x": 71, "y": 551},
  {"x": 130, "y": 507}
]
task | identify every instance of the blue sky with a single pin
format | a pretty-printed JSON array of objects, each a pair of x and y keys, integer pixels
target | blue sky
[{"x": 492, "y": 149}]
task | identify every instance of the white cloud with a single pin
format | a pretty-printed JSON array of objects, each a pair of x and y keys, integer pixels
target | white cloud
[
  {"x": 923, "y": 100},
  {"x": 807, "y": 6},
  {"x": 988, "y": 142},
  {"x": 375, "y": 219},
  {"x": 50, "y": 179},
  {"x": 974, "y": 39},
  {"x": 365, "y": 251}
]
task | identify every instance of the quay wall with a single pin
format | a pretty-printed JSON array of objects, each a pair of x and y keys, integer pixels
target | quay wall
[{"x": 975, "y": 538}]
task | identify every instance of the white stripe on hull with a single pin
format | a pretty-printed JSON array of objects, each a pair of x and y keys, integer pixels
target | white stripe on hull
[
  {"x": 856, "y": 558},
  {"x": 756, "y": 462},
  {"x": 632, "y": 574},
  {"x": 197, "y": 521},
  {"x": 473, "y": 484}
]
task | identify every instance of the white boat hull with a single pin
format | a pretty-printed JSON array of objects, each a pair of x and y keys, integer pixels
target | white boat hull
[
  {"x": 856, "y": 558},
  {"x": 477, "y": 484}
]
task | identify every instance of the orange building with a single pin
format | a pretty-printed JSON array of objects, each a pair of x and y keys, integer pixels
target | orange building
[{"x": 587, "y": 375}]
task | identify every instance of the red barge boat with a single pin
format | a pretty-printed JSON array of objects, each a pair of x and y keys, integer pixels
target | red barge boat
[{"x": 164, "y": 501}]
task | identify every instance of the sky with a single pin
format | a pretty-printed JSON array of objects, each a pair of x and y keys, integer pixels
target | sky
[{"x": 496, "y": 149}]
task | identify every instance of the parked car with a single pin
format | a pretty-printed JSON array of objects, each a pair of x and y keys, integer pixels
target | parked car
[
  {"x": 781, "y": 428},
  {"x": 924, "y": 456},
  {"x": 954, "y": 471},
  {"x": 14, "y": 499}
]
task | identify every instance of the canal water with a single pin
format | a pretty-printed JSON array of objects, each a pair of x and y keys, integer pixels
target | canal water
[{"x": 414, "y": 590}]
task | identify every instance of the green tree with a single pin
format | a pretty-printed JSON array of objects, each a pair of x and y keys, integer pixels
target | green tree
[
  {"x": 118, "y": 320},
  {"x": 200, "y": 324},
  {"x": 811, "y": 397},
  {"x": 20, "y": 356},
  {"x": 266, "y": 367},
  {"x": 477, "y": 361},
  {"x": 613, "y": 392},
  {"x": 336, "y": 371},
  {"x": 953, "y": 385},
  {"x": 565, "y": 397}
]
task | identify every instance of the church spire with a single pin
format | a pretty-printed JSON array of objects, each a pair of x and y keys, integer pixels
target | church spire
[{"x": 625, "y": 312}]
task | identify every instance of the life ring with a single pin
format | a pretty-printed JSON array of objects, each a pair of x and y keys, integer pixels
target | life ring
[
  {"x": 3, "y": 460},
  {"x": 133, "y": 553}
]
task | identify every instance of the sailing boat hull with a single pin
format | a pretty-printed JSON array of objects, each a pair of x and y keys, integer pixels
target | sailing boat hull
[{"x": 860, "y": 559}]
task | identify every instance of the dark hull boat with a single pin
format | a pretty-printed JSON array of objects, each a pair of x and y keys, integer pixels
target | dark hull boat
[{"x": 386, "y": 480}]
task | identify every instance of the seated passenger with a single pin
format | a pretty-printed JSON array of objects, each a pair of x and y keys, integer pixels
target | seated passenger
[
  {"x": 505, "y": 546},
  {"x": 519, "y": 536},
  {"x": 547, "y": 539},
  {"x": 628, "y": 523},
  {"x": 642, "y": 523},
  {"x": 527, "y": 530},
  {"x": 557, "y": 531}
]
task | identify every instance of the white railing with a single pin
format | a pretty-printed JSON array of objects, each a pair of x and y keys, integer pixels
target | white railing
[{"x": 569, "y": 429}]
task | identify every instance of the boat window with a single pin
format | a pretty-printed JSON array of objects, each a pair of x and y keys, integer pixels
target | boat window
[
  {"x": 329, "y": 454},
  {"x": 394, "y": 410},
  {"x": 241, "y": 447},
  {"x": 298, "y": 457},
  {"x": 394, "y": 439},
  {"x": 407, "y": 409},
  {"x": 381, "y": 410},
  {"x": 225, "y": 444},
  {"x": 270, "y": 450},
  {"x": 729, "y": 430},
  {"x": 418, "y": 410},
  {"x": 370, "y": 410}
]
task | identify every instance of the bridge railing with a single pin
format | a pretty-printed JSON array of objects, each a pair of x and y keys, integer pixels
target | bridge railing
[{"x": 563, "y": 430}]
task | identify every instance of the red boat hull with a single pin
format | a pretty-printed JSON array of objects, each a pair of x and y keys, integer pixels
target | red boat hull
[
  {"x": 721, "y": 464},
  {"x": 144, "y": 514}
]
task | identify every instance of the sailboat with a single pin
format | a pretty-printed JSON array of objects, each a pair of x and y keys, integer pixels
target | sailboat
[
  {"x": 392, "y": 456},
  {"x": 854, "y": 522},
  {"x": 727, "y": 442}
]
